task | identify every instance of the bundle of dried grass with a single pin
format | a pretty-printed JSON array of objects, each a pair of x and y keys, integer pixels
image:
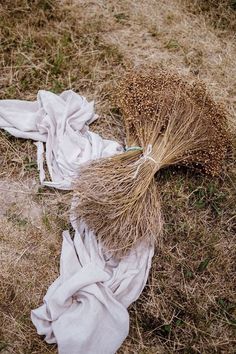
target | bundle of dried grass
[{"x": 168, "y": 121}]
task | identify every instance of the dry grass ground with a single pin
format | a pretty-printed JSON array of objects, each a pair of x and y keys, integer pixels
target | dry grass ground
[{"x": 189, "y": 303}]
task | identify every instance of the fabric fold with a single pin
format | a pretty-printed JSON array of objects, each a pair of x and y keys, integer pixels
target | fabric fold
[
  {"x": 61, "y": 122},
  {"x": 85, "y": 308}
]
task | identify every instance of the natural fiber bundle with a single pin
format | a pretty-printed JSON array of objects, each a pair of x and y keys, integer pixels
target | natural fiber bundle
[{"x": 168, "y": 121}]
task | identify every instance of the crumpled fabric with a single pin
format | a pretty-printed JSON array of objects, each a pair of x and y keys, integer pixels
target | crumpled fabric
[
  {"x": 61, "y": 122},
  {"x": 85, "y": 309}
]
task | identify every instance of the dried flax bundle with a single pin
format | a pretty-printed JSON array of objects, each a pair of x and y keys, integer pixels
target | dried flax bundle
[{"x": 168, "y": 121}]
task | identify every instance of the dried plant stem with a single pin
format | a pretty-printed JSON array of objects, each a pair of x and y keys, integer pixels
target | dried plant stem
[{"x": 175, "y": 123}]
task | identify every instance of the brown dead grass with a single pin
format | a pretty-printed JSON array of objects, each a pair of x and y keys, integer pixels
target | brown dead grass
[
  {"x": 221, "y": 15},
  {"x": 188, "y": 305}
]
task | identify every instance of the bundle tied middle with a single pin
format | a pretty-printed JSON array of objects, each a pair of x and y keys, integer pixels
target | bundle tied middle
[{"x": 168, "y": 121}]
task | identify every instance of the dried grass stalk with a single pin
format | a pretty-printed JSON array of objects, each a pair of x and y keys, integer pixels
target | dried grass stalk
[{"x": 175, "y": 123}]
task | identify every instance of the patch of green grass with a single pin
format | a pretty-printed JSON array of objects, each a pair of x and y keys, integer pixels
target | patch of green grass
[
  {"x": 210, "y": 196},
  {"x": 57, "y": 63},
  {"x": 57, "y": 86},
  {"x": 16, "y": 220},
  {"x": 188, "y": 273},
  {"x": 30, "y": 164},
  {"x": 228, "y": 310},
  {"x": 121, "y": 17},
  {"x": 203, "y": 265},
  {"x": 173, "y": 44},
  {"x": 46, "y": 222},
  {"x": 3, "y": 345}
]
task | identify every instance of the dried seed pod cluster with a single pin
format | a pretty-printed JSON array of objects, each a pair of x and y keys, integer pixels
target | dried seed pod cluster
[
  {"x": 174, "y": 122},
  {"x": 172, "y": 114}
]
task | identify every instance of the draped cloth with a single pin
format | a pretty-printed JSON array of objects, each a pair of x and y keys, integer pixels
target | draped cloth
[{"x": 85, "y": 309}]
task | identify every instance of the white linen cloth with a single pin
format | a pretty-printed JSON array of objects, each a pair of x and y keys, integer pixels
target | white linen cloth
[
  {"x": 85, "y": 309},
  {"x": 62, "y": 123}
]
